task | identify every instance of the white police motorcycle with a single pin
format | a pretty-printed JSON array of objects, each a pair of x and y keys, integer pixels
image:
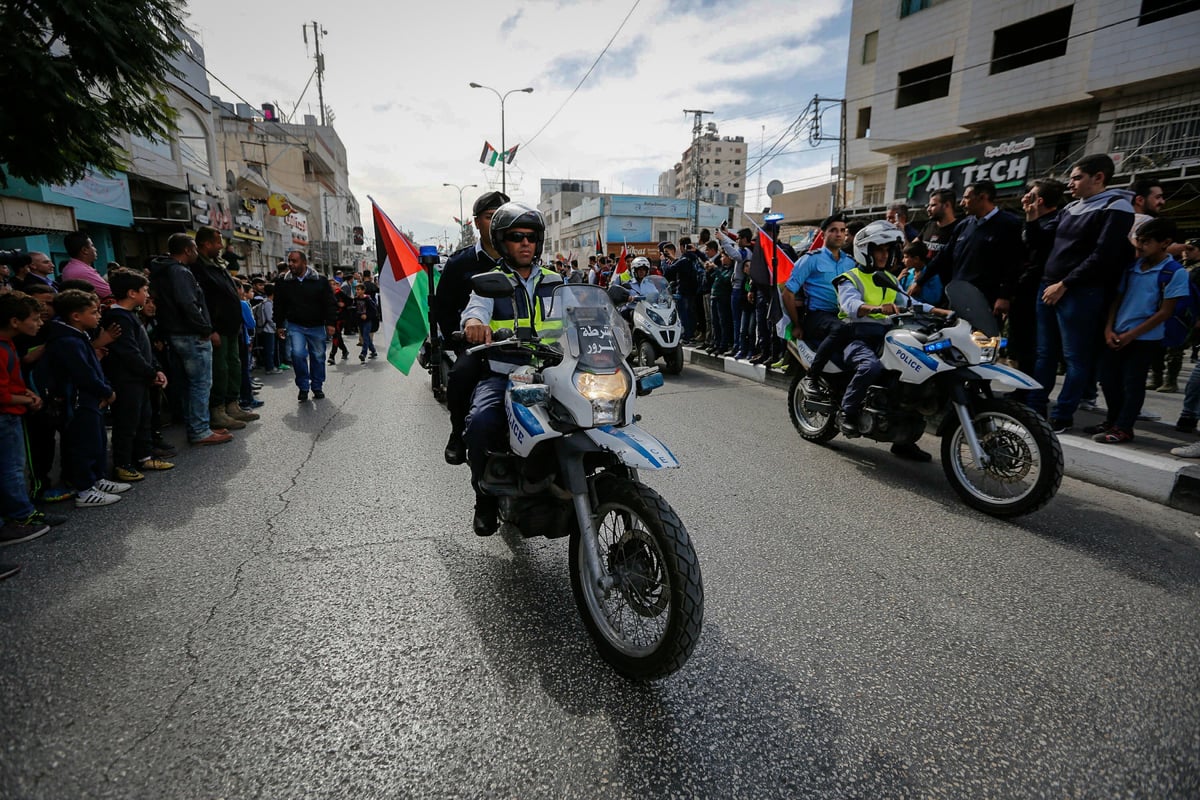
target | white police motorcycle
[
  {"x": 654, "y": 323},
  {"x": 1000, "y": 456},
  {"x": 572, "y": 469}
]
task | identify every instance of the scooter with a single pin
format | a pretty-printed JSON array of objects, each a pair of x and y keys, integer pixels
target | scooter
[
  {"x": 999, "y": 456},
  {"x": 655, "y": 325},
  {"x": 572, "y": 470}
]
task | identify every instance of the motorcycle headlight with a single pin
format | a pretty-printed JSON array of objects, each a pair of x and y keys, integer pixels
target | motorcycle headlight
[
  {"x": 606, "y": 393},
  {"x": 989, "y": 347},
  {"x": 654, "y": 315}
]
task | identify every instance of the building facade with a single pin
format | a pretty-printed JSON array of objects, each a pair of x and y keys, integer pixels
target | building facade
[
  {"x": 943, "y": 92},
  {"x": 721, "y": 161}
]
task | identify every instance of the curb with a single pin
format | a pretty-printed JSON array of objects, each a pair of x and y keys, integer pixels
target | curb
[{"x": 1160, "y": 479}]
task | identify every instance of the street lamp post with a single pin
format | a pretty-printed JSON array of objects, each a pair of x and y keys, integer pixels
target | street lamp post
[
  {"x": 461, "y": 189},
  {"x": 503, "y": 144}
]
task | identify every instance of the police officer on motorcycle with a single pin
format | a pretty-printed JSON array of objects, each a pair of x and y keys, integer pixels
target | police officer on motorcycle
[
  {"x": 877, "y": 247},
  {"x": 453, "y": 291},
  {"x": 625, "y": 290},
  {"x": 517, "y": 233}
]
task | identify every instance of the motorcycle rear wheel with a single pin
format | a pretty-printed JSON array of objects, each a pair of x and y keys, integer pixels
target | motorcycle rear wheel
[
  {"x": 1026, "y": 460},
  {"x": 812, "y": 426},
  {"x": 647, "y": 625}
]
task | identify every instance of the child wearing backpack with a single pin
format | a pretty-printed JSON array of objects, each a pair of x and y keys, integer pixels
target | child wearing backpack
[{"x": 1141, "y": 321}]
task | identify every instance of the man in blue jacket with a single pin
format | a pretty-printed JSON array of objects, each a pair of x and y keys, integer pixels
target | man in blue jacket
[{"x": 1089, "y": 251}]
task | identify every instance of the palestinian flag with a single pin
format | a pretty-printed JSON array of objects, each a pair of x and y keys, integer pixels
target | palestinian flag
[
  {"x": 491, "y": 155},
  {"x": 599, "y": 243},
  {"x": 623, "y": 260},
  {"x": 783, "y": 269},
  {"x": 403, "y": 293}
]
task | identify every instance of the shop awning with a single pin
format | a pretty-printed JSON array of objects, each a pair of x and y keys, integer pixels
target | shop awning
[{"x": 20, "y": 217}]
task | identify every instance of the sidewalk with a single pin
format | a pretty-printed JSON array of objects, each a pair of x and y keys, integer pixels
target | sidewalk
[{"x": 1143, "y": 467}]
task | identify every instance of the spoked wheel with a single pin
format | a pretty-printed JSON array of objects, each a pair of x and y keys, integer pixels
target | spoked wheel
[
  {"x": 647, "y": 355},
  {"x": 813, "y": 425},
  {"x": 1025, "y": 460},
  {"x": 648, "y": 623}
]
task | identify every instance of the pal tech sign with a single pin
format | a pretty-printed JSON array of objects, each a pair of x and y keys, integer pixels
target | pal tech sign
[{"x": 1008, "y": 164}]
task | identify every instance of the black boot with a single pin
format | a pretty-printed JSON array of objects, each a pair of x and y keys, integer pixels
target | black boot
[
  {"x": 486, "y": 520},
  {"x": 849, "y": 425},
  {"x": 456, "y": 449}
]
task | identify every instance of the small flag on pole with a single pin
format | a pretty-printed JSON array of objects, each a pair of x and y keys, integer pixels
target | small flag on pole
[
  {"x": 623, "y": 259},
  {"x": 491, "y": 155}
]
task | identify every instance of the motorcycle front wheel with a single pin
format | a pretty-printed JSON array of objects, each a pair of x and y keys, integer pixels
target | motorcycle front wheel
[
  {"x": 674, "y": 361},
  {"x": 647, "y": 355},
  {"x": 1025, "y": 460},
  {"x": 648, "y": 623}
]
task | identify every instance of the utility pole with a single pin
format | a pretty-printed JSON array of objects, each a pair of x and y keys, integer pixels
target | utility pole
[
  {"x": 318, "y": 31},
  {"x": 697, "y": 129},
  {"x": 816, "y": 135}
]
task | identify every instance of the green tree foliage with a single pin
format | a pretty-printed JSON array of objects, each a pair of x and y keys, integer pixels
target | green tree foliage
[{"x": 74, "y": 74}]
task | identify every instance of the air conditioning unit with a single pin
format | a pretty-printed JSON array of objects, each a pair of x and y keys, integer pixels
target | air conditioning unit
[{"x": 178, "y": 210}]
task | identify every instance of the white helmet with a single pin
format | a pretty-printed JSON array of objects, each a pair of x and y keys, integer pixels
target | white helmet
[
  {"x": 641, "y": 262},
  {"x": 878, "y": 234}
]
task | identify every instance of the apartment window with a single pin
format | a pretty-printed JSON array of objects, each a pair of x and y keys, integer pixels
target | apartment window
[
  {"x": 1039, "y": 38},
  {"x": 924, "y": 83},
  {"x": 193, "y": 143},
  {"x": 864, "y": 123},
  {"x": 873, "y": 194},
  {"x": 913, "y": 6},
  {"x": 1157, "y": 10},
  {"x": 1161, "y": 137},
  {"x": 737, "y": 161},
  {"x": 870, "y": 46}
]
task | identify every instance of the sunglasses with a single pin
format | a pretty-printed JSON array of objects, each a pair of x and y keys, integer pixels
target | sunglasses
[{"x": 522, "y": 236}]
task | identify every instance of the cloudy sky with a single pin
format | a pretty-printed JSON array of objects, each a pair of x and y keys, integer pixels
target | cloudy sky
[{"x": 397, "y": 79}]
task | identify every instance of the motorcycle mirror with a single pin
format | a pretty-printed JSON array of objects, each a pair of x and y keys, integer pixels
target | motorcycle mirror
[
  {"x": 493, "y": 285},
  {"x": 886, "y": 280}
]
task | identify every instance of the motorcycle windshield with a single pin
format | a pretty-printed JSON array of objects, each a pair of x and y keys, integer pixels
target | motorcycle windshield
[
  {"x": 970, "y": 304},
  {"x": 593, "y": 331},
  {"x": 656, "y": 290}
]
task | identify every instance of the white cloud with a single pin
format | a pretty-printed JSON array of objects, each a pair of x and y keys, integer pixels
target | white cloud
[{"x": 397, "y": 78}]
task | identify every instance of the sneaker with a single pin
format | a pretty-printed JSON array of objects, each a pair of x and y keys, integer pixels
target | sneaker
[
  {"x": 156, "y": 464},
  {"x": 362, "y": 359},
  {"x": 318, "y": 394},
  {"x": 302, "y": 396},
  {"x": 283, "y": 367},
  {"x": 374, "y": 355},
  {"x": 128, "y": 474},
  {"x": 1114, "y": 436},
  {"x": 17, "y": 532},
  {"x": 1103, "y": 427},
  {"x": 45, "y": 518},
  {"x": 1187, "y": 451},
  {"x": 1092, "y": 406},
  {"x": 1060, "y": 425},
  {"x": 1186, "y": 424},
  {"x": 89, "y": 498},
  {"x": 780, "y": 364},
  {"x": 55, "y": 495},
  {"x": 1168, "y": 387},
  {"x": 1149, "y": 416},
  {"x": 111, "y": 487},
  {"x": 274, "y": 371},
  {"x": 331, "y": 362},
  {"x": 256, "y": 384},
  {"x": 164, "y": 452}
]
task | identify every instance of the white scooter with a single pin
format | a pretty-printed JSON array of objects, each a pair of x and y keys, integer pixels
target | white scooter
[
  {"x": 655, "y": 325},
  {"x": 572, "y": 469}
]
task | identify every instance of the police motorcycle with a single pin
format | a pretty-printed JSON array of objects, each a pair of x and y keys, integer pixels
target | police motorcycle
[
  {"x": 653, "y": 321},
  {"x": 572, "y": 470},
  {"x": 1000, "y": 457}
]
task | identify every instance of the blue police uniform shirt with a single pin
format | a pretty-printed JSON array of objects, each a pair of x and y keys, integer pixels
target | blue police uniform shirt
[
  {"x": 815, "y": 273},
  {"x": 1140, "y": 297}
]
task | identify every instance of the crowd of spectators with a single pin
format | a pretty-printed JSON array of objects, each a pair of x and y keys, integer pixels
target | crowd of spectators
[{"x": 136, "y": 351}]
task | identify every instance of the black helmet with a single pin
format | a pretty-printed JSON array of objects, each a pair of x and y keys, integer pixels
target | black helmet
[{"x": 517, "y": 215}]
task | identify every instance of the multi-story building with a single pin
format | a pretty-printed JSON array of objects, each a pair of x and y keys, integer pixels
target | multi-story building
[
  {"x": 558, "y": 197},
  {"x": 721, "y": 161},
  {"x": 943, "y": 92},
  {"x": 288, "y": 185}
]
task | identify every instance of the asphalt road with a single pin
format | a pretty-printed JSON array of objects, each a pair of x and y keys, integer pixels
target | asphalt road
[{"x": 305, "y": 613}]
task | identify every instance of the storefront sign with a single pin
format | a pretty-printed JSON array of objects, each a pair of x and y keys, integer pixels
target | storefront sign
[
  {"x": 1007, "y": 163},
  {"x": 298, "y": 223},
  {"x": 247, "y": 221}
]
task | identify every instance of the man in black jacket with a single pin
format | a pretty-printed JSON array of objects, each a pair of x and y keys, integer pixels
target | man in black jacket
[
  {"x": 183, "y": 318},
  {"x": 224, "y": 302},
  {"x": 305, "y": 313}
]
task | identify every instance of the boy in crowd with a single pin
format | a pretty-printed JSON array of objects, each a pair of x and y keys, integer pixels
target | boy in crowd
[
  {"x": 367, "y": 315},
  {"x": 160, "y": 447},
  {"x": 246, "y": 400},
  {"x": 19, "y": 315},
  {"x": 74, "y": 375},
  {"x": 1134, "y": 333},
  {"x": 133, "y": 373},
  {"x": 264, "y": 323},
  {"x": 916, "y": 258},
  {"x": 338, "y": 339}
]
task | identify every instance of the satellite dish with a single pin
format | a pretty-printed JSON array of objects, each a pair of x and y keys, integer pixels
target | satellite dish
[{"x": 774, "y": 188}]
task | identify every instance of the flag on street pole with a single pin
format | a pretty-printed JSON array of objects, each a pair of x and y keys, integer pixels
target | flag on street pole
[
  {"x": 491, "y": 155},
  {"x": 403, "y": 293}
]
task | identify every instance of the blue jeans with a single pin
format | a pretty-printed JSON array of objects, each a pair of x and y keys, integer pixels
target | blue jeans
[
  {"x": 14, "y": 491},
  {"x": 308, "y": 355},
  {"x": 364, "y": 330},
  {"x": 683, "y": 303},
  {"x": 1070, "y": 329},
  {"x": 722, "y": 324},
  {"x": 735, "y": 308},
  {"x": 195, "y": 361},
  {"x": 1191, "y": 397}
]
